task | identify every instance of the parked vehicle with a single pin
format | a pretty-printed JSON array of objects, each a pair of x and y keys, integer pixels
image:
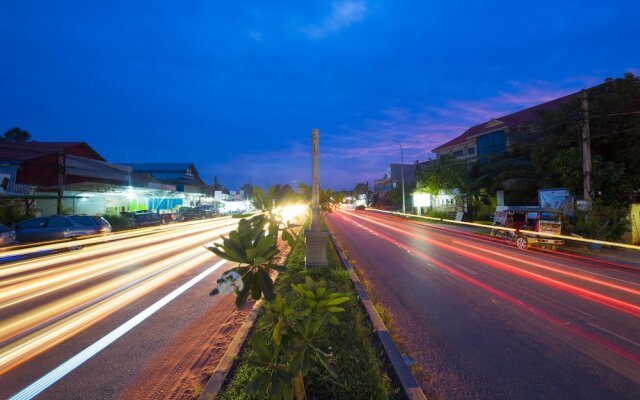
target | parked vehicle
[
  {"x": 58, "y": 227},
  {"x": 536, "y": 219},
  {"x": 208, "y": 211},
  {"x": 190, "y": 213},
  {"x": 147, "y": 219},
  {"x": 7, "y": 235}
]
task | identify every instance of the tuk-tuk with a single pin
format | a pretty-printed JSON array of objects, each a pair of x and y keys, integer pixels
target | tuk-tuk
[{"x": 528, "y": 218}]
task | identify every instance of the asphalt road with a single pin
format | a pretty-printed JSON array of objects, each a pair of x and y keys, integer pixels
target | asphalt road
[
  {"x": 81, "y": 323},
  {"x": 484, "y": 320}
]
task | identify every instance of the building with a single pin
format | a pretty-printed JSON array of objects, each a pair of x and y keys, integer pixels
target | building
[
  {"x": 492, "y": 138},
  {"x": 52, "y": 175},
  {"x": 393, "y": 178},
  {"x": 182, "y": 178},
  {"x": 46, "y": 178}
]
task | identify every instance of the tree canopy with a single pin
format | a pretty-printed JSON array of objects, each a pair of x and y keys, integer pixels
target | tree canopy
[
  {"x": 614, "y": 124},
  {"x": 16, "y": 134}
]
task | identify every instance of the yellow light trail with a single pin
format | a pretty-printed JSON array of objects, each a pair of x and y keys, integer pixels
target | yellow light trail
[
  {"x": 42, "y": 340},
  {"x": 106, "y": 276},
  {"x": 46, "y": 282}
]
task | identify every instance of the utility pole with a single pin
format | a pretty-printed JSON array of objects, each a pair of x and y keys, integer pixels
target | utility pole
[
  {"x": 586, "y": 150},
  {"x": 61, "y": 173},
  {"x": 315, "y": 237}
]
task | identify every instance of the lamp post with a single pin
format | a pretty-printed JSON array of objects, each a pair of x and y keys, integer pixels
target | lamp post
[{"x": 401, "y": 172}]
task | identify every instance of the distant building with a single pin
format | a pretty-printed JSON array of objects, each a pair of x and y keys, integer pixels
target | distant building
[
  {"x": 492, "y": 138},
  {"x": 393, "y": 178}
]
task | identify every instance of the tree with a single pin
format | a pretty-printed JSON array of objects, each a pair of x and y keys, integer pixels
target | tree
[
  {"x": 361, "y": 188},
  {"x": 442, "y": 175},
  {"x": 247, "y": 188},
  {"x": 16, "y": 134},
  {"x": 614, "y": 127},
  {"x": 614, "y": 124}
]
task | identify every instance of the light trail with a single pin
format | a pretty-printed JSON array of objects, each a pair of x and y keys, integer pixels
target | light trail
[
  {"x": 113, "y": 246},
  {"x": 555, "y": 270},
  {"x": 51, "y": 335},
  {"x": 108, "y": 277},
  {"x": 45, "y": 282},
  {"x": 590, "y": 295},
  {"x": 50, "y": 378},
  {"x": 22, "y": 250},
  {"x": 628, "y": 364}
]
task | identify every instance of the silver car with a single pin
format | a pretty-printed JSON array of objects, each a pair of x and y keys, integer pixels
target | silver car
[{"x": 59, "y": 227}]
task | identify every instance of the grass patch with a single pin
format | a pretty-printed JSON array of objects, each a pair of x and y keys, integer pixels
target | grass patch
[{"x": 359, "y": 361}]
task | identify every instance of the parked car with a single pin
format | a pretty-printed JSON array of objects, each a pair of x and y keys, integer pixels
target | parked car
[
  {"x": 190, "y": 213},
  {"x": 58, "y": 227},
  {"x": 7, "y": 235},
  {"x": 208, "y": 211},
  {"x": 147, "y": 219}
]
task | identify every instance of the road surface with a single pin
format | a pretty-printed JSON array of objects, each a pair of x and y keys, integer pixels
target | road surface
[
  {"x": 484, "y": 320},
  {"x": 83, "y": 323}
]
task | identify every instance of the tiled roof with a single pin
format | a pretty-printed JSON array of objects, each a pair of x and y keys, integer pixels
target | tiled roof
[{"x": 518, "y": 118}]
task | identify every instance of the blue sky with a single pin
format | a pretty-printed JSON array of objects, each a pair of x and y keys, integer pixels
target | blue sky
[{"x": 236, "y": 87}]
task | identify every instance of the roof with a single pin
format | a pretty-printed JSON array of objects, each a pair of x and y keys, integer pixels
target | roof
[
  {"x": 175, "y": 173},
  {"x": 160, "y": 167},
  {"x": 518, "y": 118},
  {"x": 24, "y": 151}
]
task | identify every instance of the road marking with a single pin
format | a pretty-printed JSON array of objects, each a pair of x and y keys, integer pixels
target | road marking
[
  {"x": 56, "y": 374},
  {"x": 615, "y": 334},
  {"x": 466, "y": 269}
]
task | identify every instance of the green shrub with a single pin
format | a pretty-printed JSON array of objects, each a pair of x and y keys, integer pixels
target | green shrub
[{"x": 359, "y": 372}]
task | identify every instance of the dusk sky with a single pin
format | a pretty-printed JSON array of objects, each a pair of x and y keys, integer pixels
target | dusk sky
[{"x": 236, "y": 87}]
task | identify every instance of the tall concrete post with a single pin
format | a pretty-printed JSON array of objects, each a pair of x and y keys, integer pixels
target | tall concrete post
[
  {"x": 316, "y": 238},
  {"x": 586, "y": 149}
]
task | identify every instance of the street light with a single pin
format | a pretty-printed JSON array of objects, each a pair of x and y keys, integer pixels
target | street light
[{"x": 401, "y": 172}]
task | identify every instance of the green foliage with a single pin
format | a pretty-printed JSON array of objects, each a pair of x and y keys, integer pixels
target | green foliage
[
  {"x": 13, "y": 213},
  {"x": 602, "y": 222},
  {"x": 355, "y": 362},
  {"x": 300, "y": 338},
  {"x": 614, "y": 130},
  {"x": 254, "y": 251}
]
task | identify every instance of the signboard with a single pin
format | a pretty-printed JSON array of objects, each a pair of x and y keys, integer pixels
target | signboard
[
  {"x": 556, "y": 198},
  {"x": 421, "y": 200}
]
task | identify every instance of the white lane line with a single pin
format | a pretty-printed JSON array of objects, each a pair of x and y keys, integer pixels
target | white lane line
[
  {"x": 615, "y": 334},
  {"x": 56, "y": 374},
  {"x": 466, "y": 269}
]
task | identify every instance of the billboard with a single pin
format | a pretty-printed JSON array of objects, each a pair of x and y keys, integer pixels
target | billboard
[{"x": 556, "y": 198}]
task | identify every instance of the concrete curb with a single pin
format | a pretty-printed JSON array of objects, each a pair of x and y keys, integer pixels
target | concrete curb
[
  {"x": 407, "y": 380},
  {"x": 224, "y": 366}
]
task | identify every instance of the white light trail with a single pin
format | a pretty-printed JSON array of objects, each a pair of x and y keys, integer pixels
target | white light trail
[{"x": 56, "y": 374}]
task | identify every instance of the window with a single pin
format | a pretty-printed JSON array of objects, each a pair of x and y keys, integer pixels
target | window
[
  {"x": 493, "y": 144},
  {"x": 458, "y": 153},
  {"x": 32, "y": 224},
  {"x": 471, "y": 151},
  {"x": 85, "y": 221},
  {"x": 58, "y": 223}
]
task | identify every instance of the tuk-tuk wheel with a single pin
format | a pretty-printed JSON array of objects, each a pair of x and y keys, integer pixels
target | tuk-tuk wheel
[{"x": 522, "y": 242}]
